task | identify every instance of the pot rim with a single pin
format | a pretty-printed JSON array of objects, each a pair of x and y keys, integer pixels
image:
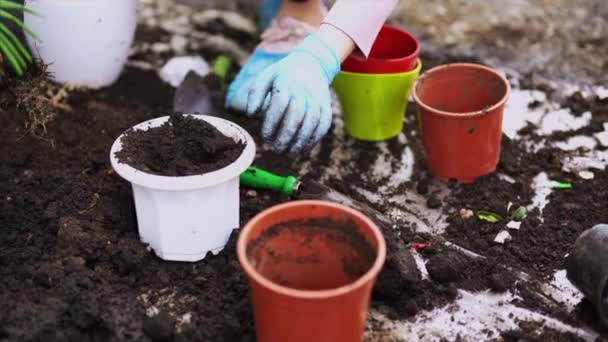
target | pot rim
[
  {"x": 385, "y": 75},
  {"x": 186, "y": 183},
  {"x": 389, "y": 61},
  {"x": 309, "y": 294},
  {"x": 454, "y": 115}
]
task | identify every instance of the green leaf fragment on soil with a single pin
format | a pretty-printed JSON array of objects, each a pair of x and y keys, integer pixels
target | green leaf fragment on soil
[
  {"x": 488, "y": 216},
  {"x": 560, "y": 185},
  {"x": 518, "y": 214}
]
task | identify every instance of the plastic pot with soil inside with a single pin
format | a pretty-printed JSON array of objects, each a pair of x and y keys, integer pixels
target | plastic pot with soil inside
[
  {"x": 311, "y": 266},
  {"x": 184, "y": 170}
]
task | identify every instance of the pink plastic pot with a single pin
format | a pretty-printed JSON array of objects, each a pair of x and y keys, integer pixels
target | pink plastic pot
[{"x": 394, "y": 51}]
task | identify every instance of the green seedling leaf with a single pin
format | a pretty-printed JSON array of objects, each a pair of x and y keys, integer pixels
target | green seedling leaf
[
  {"x": 488, "y": 216},
  {"x": 8, "y": 51},
  {"x": 7, "y": 15},
  {"x": 518, "y": 214},
  {"x": 12, "y": 49},
  {"x": 560, "y": 185},
  {"x": 9, "y": 5},
  {"x": 17, "y": 43}
]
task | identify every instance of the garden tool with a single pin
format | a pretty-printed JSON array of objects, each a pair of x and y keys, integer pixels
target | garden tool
[
  {"x": 398, "y": 254},
  {"x": 200, "y": 94}
]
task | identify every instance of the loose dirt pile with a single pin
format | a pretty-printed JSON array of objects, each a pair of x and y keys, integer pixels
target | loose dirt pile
[{"x": 183, "y": 146}]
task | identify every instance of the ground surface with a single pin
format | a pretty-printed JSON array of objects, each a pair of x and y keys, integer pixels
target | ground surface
[{"x": 72, "y": 266}]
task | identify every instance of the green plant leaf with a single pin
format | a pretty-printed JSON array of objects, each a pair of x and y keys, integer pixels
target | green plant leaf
[
  {"x": 16, "y": 20},
  {"x": 16, "y": 55},
  {"x": 4, "y": 40},
  {"x": 9, "y": 5},
  {"x": 18, "y": 44},
  {"x": 8, "y": 53},
  {"x": 518, "y": 214},
  {"x": 560, "y": 185},
  {"x": 488, "y": 216}
]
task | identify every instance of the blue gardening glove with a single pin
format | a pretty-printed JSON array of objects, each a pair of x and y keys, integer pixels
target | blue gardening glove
[
  {"x": 268, "y": 11},
  {"x": 293, "y": 96},
  {"x": 236, "y": 96}
]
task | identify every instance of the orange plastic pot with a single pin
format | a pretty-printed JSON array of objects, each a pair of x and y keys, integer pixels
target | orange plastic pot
[
  {"x": 311, "y": 266},
  {"x": 460, "y": 110}
]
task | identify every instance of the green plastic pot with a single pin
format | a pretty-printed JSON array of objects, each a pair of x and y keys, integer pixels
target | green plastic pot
[{"x": 374, "y": 105}]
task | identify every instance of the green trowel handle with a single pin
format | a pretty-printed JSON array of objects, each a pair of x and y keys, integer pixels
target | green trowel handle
[
  {"x": 264, "y": 180},
  {"x": 221, "y": 66}
]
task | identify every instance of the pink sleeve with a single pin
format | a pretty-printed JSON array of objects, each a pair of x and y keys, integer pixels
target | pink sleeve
[{"x": 361, "y": 20}]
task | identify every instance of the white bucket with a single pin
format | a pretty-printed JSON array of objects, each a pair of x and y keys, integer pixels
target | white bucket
[
  {"x": 183, "y": 218},
  {"x": 85, "y": 43}
]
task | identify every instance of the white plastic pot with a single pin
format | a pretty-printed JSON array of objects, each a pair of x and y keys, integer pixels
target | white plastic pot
[
  {"x": 84, "y": 42},
  {"x": 183, "y": 218}
]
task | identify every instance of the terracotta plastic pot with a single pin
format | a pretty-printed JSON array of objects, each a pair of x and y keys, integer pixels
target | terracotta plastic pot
[
  {"x": 587, "y": 268},
  {"x": 394, "y": 51},
  {"x": 374, "y": 105},
  {"x": 311, "y": 266},
  {"x": 184, "y": 218},
  {"x": 460, "y": 109}
]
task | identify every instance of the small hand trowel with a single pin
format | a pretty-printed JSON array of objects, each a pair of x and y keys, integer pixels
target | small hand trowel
[
  {"x": 400, "y": 258},
  {"x": 199, "y": 94}
]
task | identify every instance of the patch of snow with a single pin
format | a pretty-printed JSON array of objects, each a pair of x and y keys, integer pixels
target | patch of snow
[
  {"x": 502, "y": 237},
  {"x": 562, "y": 290},
  {"x": 562, "y": 121},
  {"x": 420, "y": 264},
  {"x": 577, "y": 142},
  {"x": 543, "y": 187},
  {"x": 517, "y": 114},
  {"x": 474, "y": 317},
  {"x": 515, "y": 225},
  {"x": 590, "y": 160},
  {"x": 602, "y": 137}
]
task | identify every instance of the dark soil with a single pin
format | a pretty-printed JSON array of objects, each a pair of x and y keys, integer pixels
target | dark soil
[
  {"x": 71, "y": 263},
  {"x": 538, "y": 247},
  {"x": 535, "y": 332},
  {"x": 183, "y": 146},
  {"x": 72, "y": 267},
  {"x": 448, "y": 266}
]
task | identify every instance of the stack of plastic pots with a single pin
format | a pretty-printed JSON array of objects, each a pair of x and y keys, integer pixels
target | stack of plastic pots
[
  {"x": 460, "y": 110},
  {"x": 374, "y": 92}
]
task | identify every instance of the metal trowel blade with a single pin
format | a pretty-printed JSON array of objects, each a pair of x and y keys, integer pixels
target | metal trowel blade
[{"x": 193, "y": 96}]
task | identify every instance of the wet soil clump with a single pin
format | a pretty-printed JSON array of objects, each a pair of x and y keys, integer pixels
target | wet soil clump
[{"x": 182, "y": 146}]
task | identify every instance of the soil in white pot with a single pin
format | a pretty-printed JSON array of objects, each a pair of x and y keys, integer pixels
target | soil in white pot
[{"x": 183, "y": 146}]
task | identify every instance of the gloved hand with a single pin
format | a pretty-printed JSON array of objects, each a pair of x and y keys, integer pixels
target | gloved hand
[
  {"x": 278, "y": 40},
  {"x": 293, "y": 95},
  {"x": 236, "y": 96}
]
